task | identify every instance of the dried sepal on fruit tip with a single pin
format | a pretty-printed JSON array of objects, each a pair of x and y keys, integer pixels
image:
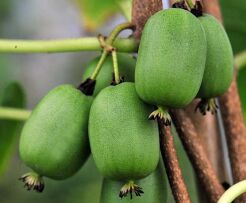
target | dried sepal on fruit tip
[
  {"x": 33, "y": 181},
  {"x": 162, "y": 114},
  {"x": 207, "y": 105},
  {"x": 180, "y": 4},
  {"x": 87, "y": 87},
  {"x": 131, "y": 188},
  {"x": 197, "y": 10}
]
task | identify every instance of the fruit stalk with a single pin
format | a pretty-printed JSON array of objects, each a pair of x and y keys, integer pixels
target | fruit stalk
[
  {"x": 62, "y": 45},
  {"x": 116, "y": 67},
  {"x": 141, "y": 11},
  {"x": 107, "y": 45},
  {"x": 232, "y": 116},
  {"x": 194, "y": 148},
  {"x": 170, "y": 160}
]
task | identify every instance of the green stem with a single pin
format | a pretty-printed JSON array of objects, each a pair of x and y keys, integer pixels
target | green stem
[
  {"x": 240, "y": 60},
  {"x": 109, "y": 42},
  {"x": 62, "y": 45},
  {"x": 14, "y": 114},
  {"x": 116, "y": 32},
  {"x": 233, "y": 192},
  {"x": 99, "y": 65},
  {"x": 190, "y": 4},
  {"x": 116, "y": 68}
]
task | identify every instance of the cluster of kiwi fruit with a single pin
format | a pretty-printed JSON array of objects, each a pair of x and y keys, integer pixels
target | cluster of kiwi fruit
[{"x": 181, "y": 57}]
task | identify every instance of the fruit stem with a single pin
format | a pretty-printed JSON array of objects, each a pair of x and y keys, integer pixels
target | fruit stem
[
  {"x": 99, "y": 65},
  {"x": 116, "y": 67},
  {"x": 107, "y": 45},
  {"x": 14, "y": 114},
  {"x": 116, "y": 31},
  {"x": 33, "y": 181},
  {"x": 233, "y": 192}
]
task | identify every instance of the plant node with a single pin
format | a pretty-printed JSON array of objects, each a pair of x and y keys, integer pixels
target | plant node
[
  {"x": 131, "y": 188},
  {"x": 87, "y": 87},
  {"x": 162, "y": 114},
  {"x": 33, "y": 181},
  {"x": 207, "y": 105},
  {"x": 104, "y": 44}
]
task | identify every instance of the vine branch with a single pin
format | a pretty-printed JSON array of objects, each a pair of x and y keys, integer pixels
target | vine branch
[
  {"x": 195, "y": 150},
  {"x": 172, "y": 166},
  {"x": 63, "y": 45}
]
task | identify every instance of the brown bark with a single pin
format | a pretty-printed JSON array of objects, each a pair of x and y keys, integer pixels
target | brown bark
[
  {"x": 232, "y": 116},
  {"x": 195, "y": 150},
  {"x": 208, "y": 129},
  {"x": 235, "y": 133},
  {"x": 141, "y": 11},
  {"x": 170, "y": 160}
]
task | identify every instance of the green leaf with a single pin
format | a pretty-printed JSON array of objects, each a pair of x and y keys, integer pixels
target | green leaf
[
  {"x": 234, "y": 15},
  {"x": 95, "y": 12},
  {"x": 12, "y": 96}
]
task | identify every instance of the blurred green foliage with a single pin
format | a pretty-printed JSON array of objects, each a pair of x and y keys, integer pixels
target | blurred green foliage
[
  {"x": 234, "y": 16},
  {"x": 95, "y": 12},
  {"x": 11, "y": 96}
]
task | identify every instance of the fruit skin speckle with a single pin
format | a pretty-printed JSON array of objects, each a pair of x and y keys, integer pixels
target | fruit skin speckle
[
  {"x": 54, "y": 141},
  {"x": 124, "y": 143}
]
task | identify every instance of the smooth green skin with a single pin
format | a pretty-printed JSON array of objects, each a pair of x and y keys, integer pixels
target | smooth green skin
[
  {"x": 124, "y": 143},
  {"x": 126, "y": 65},
  {"x": 219, "y": 63},
  {"x": 171, "y": 58},
  {"x": 154, "y": 186},
  {"x": 54, "y": 140}
]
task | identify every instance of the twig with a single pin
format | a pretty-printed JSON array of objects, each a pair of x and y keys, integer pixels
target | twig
[
  {"x": 208, "y": 130},
  {"x": 235, "y": 133},
  {"x": 194, "y": 148},
  {"x": 170, "y": 160},
  {"x": 62, "y": 45},
  {"x": 141, "y": 11}
]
